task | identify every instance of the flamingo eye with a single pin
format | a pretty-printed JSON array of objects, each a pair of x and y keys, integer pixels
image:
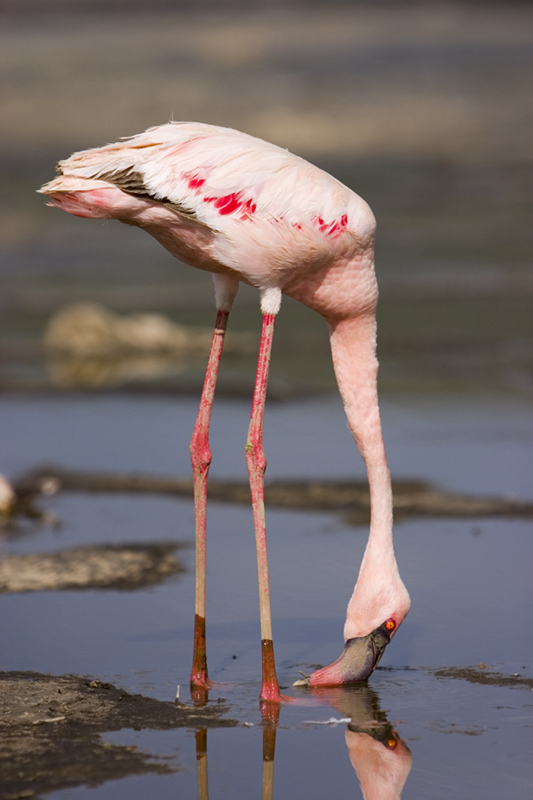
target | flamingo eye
[
  {"x": 390, "y": 625},
  {"x": 391, "y": 743}
]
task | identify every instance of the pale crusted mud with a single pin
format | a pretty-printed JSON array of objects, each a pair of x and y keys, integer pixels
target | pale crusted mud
[{"x": 128, "y": 566}]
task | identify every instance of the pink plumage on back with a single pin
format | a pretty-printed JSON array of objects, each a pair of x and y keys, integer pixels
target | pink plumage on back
[
  {"x": 271, "y": 216},
  {"x": 190, "y": 162},
  {"x": 249, "y": 211}
]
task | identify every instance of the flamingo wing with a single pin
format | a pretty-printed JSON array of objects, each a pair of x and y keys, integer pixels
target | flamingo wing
[{"x": 208, "y": 173}]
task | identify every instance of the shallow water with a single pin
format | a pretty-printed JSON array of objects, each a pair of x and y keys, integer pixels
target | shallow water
[{"x": 469, "y": 581}]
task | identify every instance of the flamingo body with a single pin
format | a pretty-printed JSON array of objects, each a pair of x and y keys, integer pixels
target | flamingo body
[
  {"x": 251, "y": 212},
  {"x": 234, "y": 205}
]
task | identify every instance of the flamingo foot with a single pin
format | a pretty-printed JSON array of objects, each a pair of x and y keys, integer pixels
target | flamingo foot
[
  {"x": 271, "y": 696},
  {"x": 199, "y": 680},
  {"x": 356, "y": 663}
]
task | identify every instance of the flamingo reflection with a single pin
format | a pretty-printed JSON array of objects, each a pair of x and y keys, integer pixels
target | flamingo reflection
[
  {"x": 381, "y": 760},
  {"x": 378, "y": 755}
]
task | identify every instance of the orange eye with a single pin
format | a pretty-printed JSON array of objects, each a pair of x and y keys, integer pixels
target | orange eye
[
  {"x": 391, "y": 743},
  {"x": 390, "y": 625}
]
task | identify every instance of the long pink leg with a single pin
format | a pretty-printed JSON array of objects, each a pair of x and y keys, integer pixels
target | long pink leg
[
  {"x": 201, "y": 459},
  {"x": 256, "y": 462}
]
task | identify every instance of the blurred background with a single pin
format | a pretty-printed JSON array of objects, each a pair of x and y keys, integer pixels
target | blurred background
[{"x": 423, "y": 109}]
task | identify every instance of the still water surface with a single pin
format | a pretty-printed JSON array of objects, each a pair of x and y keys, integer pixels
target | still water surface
[{"x": 469, "y": 580}]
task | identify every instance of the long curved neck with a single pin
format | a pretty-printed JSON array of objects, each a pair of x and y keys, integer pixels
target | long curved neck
[{"x": 353, "y": 348}]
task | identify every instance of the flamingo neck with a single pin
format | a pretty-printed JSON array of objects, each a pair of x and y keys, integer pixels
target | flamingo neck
[
  {"x": 379, "y": 590},
  {"x": 353, "y": 350}
]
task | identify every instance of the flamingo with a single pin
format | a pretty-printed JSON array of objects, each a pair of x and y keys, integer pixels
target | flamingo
[{"x": 246, "y": 210}]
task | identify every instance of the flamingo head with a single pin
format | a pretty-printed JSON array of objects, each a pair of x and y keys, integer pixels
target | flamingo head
[
  {"x": 359, "y": 658},
  {"x": 377, "y": 608}
]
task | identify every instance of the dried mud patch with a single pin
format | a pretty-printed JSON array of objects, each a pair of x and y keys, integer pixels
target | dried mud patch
[
  {"x": 482, "y": 675},
  {"x": 127, "y": 567}
]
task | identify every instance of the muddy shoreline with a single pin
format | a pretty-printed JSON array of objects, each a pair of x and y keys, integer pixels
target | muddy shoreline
[
  {"x": 51, "y": 727},
  {"x": 51, "y": 732}
]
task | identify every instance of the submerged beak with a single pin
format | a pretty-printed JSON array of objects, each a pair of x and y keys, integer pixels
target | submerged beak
[{"x": 358, "y": 660}]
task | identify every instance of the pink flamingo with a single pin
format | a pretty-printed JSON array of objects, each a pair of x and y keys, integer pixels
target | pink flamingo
[{"x": 246, "y": 210}]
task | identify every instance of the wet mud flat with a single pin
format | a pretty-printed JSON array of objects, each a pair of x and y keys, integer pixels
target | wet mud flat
[
  {"x": 51, "y": 732},
  {"x": 53, "y": 729}
]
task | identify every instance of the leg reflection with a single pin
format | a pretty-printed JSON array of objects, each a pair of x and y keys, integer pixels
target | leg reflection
[
  {"x": 270, "y": 718},
  {"x": 201, "y": 764},
  {"x": 270, "y": 715}
]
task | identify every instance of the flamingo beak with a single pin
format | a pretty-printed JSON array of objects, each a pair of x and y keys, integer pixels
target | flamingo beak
[{"x": 358, "y": 660}]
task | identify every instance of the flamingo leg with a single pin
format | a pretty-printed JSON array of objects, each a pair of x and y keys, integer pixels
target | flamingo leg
[
  {"x": 201, "y": 459},
  {"x": 256, "y": 462}
]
